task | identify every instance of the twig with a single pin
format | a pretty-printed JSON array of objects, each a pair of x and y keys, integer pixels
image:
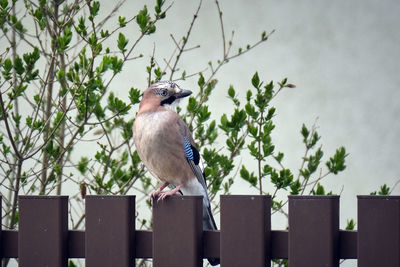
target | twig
[
  {"x": 221, "y": 23},
  {"x": 394, "y": 186},
  {"x": 184, "y": 41}
]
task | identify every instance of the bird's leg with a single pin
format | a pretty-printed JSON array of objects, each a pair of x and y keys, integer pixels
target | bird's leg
[
  {"x": 158, "y": 191},
  {"x": 174, "y": 191}
]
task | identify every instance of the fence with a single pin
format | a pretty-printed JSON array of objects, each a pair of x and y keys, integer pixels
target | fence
[{"x": 177, "y": 239}]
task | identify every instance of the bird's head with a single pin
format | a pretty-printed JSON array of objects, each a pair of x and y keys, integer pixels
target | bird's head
[{"x": 163, "y": 93}]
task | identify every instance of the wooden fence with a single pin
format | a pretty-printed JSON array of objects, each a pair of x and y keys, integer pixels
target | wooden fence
[{"x": 177, "y": 239}]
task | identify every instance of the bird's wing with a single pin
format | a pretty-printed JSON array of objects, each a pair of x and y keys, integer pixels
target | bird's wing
[
  {"x": 193, "y": 159},
  {"x": 192, "y": 154}
]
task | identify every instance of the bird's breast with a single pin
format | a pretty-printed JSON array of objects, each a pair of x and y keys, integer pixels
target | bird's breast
[
  {"x": 148, "y": 132},
  {"x": 159, "y": 146}
]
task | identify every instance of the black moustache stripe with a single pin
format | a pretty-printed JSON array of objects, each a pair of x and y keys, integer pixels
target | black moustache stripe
[{"x": 168, "y": 101}]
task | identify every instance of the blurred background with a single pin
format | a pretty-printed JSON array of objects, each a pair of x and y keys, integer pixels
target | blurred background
[{"x": 343, "y": 56}]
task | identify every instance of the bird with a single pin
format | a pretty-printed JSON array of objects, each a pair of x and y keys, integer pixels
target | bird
[{"x": 166, "y": 147}]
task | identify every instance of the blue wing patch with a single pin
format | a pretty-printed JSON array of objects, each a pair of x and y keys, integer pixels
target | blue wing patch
[
  {"x": 188, "y": 149},
  {"x": 191, "y": 151}
]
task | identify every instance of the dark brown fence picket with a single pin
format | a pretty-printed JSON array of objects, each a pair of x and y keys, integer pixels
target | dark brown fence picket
[
  {"x": 177, "y": 239},
  {"x": 245, "y": 230},
  {"x": 378, "y": 231},
  {"x": 177, "y": 232},
  {"x": 43, "y": 231},
  {"x": 314, "y": 231},
  {"x": 110, "y": 231}
]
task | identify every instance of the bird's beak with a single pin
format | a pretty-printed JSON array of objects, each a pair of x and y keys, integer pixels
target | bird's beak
[{"x": 182, "y": 93}]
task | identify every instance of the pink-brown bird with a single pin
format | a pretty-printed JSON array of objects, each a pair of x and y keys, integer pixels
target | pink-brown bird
[{"x": 166, "y": 147}]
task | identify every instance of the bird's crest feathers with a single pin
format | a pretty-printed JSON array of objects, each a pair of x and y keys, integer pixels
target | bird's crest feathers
[{"x": 163, "y": 93}]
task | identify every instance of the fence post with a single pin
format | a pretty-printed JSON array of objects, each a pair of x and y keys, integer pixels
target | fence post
[
  {"x": 177, "y": 231},
  {"x": 43, "y": 231},
  {"x": 378, "y": 231},
  {"x": 313, "y": 231},
  {"x": 245, "y": 230},
  {"x": 110, "y": 231}
]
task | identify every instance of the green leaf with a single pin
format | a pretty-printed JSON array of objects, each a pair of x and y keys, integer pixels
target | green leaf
[
  {"x": 82, "y": 165},
  {"x": 264, "y": 36},
  {"x": 192, "y": 105},
  {"x": 203, "y": 114},
  {"x": 3, "y": 4},
  {"x": 151, "y": 29},
  {"x": 127, "y": 130},
  {"x": 103, "y": 34},
  {"x": 279, "y": 157},
  {"x": 17, "y": 24},
  {"x": 320, "y": 190},
  {"x": 283, "y": 82},
  {"x": 253, "y": 130},
  {"x": 231, "y": 92},
  {"x": 158, "y": 7},
  {"x": 254, "y": 150},
  {"x": 158, "y": 73},
  {"x": 134, "y": 96},
  {"x": 71, "y": 264},
  {"x": 350, "y": 224},
  {"x": 63, "y": 41},
  {"x": 58, "y": 119},
  {"x": 249, "y": 95},
  {"x": 99, "y": 111},
  {"x": 295, "y": 187},
  {"x": 314, "y": 161},
  {"x": 255, "y": 81},
  {"x": 40, "y": 18},
  {"x": 385, "y": 190},
  {"x": 17, "y": 119},
  {"x": 122, "y": 42},
  {"x": 268, "y": 91},
  {"x": 122, "y": 21},
  {"x": 92, "y": 40},
  {"x": 116, "y": 105},
  {"x": 314, "y": 140},
  {"x": 305, "y": 133},
  {"x": 142, "y": 19},
  {"x": 281, "y": 180},
  {"x": 28, "y": 121},
  {"x": 36, "y": 98},
  {"x": 201, "y": 82},
  {"x": 7, "y": 67},
  {"x": 336, "y": 163},
  {"x": 251, "y": 111},
  {"x": 270, "y": 114},
  {"x": 94, "y": 10},
  {"x": 81, "y": 28},
  {"x": 19, "y": 66},
  {"x": 19, "y": 90},
  {"x": 249, "y": 177}
]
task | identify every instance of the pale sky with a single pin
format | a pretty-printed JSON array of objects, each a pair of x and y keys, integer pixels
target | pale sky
[{"x": 343, "y": 56}]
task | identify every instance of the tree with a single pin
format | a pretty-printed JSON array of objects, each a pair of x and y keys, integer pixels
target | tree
[{"x": 59, "y": 60}]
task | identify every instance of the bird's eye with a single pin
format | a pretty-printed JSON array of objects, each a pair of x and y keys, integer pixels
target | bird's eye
[{"x": 164, "y": 92}]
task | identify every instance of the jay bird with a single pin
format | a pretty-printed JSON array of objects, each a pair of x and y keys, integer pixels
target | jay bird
[{"x": 166, "y": 147}]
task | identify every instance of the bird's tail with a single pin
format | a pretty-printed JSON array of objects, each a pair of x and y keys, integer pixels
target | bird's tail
[
  {"x": 208, "y": 219},
  {"x": 209, "y": 224}
]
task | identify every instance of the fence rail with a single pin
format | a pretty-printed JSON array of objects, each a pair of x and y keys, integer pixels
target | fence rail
[{"x": 245, "y": 238}]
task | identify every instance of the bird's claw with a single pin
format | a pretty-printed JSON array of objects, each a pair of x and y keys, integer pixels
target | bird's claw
[
  {"x": 153, "y": 195},
  {"x": 163, "y": 195}
]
